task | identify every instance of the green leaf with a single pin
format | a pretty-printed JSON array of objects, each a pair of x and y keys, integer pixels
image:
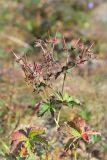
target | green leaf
[
  {"x": 70, "y": 101},
  {"x": 41, "y": 140},
  {"x": 34, "y": 131},
  {"x": 95, "y": 138},
  {"x": 44, "y": 108},
  {"x": 52, "y": 110},
  {"x": 75, "y": 133},
  {"x": 59, "y": 96},
  {"x": 28, "y": 146},
  {"x": 66, "y": 97}
]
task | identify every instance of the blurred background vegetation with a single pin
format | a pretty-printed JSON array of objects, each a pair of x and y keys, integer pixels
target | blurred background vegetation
[{"x": 21, "y": 22}]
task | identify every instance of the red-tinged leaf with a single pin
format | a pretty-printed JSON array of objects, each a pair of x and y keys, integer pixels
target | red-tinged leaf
[
  {"x": 85, "y": 137},
  {"x": 19, "y": 136},
  {"x": 37, "y": 107},
  {"x": 14, "y": 146},
  {"x": 78, "y": 124},
  {"x": 23, "y": 152},
  {"x": 75, "y": 133},
  {"x": 35, "y": 131}
]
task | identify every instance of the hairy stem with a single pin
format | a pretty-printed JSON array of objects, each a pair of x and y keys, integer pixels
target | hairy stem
[
  {"x": 64, "y": 78},
  {"x": 58, "y": 118},
  {"x": 57, "y": 125},
  {"x": 75, "y": 155}
]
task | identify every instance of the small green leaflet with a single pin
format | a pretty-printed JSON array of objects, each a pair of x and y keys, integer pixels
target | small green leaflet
[
  {"x": 95, "y": 138},
  {"x": 67, "y": 100},
  {"x": 41, "y": 140},
  {"x": 59, "y": 100},
  {"x": 59, "y": 96},
  {"x": 44, "y": 108},
  {"x": 35, "y": 132},
  {"x": 75, "y": 133}
]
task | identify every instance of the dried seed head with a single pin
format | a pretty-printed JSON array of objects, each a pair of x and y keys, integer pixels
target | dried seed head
[{"x": 42, "y": 75}]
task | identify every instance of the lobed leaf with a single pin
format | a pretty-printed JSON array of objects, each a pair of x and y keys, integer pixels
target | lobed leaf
[
  {"x": 35, "y": 131},
  {"x": 18, "y": 135},
  {"x": 85, "y": 137},
  {"x": 41, "y": 140},
  {"x": 67, "y": 100},
  {"x": 59, "y": 96},
  {"x": 75, "y": 133},
  {"x": 43, "y": 109},
  {"x": 94, "y": 138}
]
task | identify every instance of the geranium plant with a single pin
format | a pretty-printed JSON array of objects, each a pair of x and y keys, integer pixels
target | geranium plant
[{"x": 42, "y": 76}]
